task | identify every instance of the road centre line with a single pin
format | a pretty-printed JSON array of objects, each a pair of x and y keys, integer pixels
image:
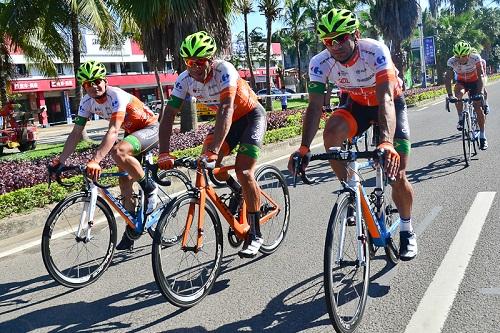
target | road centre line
[{"x": 437, "y": 301}]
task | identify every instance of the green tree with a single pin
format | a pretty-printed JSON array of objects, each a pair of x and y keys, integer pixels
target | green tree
[
  {"x": 396, "y": 20},
  {"x": 271, "y": 10},
  {"x": 163, "y": 24},
  {"x": 245, "y": 7},
  {"x": 295, "y": 19}
]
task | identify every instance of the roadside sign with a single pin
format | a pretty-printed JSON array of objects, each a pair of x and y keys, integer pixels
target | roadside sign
[{"x": 429, "y": 51}]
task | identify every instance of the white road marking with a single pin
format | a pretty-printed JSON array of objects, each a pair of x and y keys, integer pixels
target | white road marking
[
  {"x": 425, "y": 107},
  {"x": 420, "y": 228},
  {"x": 439, "y": 102},
  {"x": 490, "y": 291},
  {"x": 434, "y": 307}
]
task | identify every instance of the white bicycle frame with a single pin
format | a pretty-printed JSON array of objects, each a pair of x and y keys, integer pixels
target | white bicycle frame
[{"x": 354, "y": 185}]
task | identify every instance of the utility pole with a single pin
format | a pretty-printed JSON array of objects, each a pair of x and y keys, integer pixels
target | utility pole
[{"x": 421, "y": 38}]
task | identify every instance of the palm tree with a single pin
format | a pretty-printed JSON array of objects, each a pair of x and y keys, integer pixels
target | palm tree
[
  {"x": 396, "y": 20},
  {"x": 54, "y": 25},
  {"x": 245, "y": 7},
  {"x": 295, "y": 19},
  {"x": 271, "y": 11},
  {"x": 163, "y": 24}
]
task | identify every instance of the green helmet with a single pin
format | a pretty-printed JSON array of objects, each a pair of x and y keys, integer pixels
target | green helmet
[
  {"x": 91, "y": 70},
  {"x": 461, "y": 49},
  {"x": 338, "y": 22},
  {"x": 198, "y": 45}
]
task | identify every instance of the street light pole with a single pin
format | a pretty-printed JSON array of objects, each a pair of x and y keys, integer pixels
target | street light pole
[{"x": 421, "y": 42}]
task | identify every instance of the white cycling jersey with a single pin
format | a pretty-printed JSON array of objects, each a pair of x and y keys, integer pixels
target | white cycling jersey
[
  {"x": 466, "y": 72},
  {"x": 211, "y": 92},
  {"x": 118, "y": 104},
  {"x": 371, "y": 64}
]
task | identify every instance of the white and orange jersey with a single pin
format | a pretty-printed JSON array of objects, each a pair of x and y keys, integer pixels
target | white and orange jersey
[
  {"x": 467, "y": 72},
  {"x": 371, "y": 64},
  {"x": 118, "y": 104},
  {"x": 224, "y": 81}
]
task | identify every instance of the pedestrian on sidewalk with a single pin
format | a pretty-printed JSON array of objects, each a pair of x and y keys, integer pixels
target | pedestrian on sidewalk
[{"x": 284, "y": 99}]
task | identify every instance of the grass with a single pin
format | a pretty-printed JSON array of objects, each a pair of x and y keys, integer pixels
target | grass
[{"x": 45, "y": 150}]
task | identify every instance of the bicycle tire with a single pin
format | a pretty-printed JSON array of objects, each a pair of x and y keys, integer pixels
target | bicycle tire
[
  {"x": 333, "y": 276},
  {"x": 475, "y": 130},
  {"x": 51, "y": 236},
  {"x": 178, "y": 286},
  {"x": 271, "y": 181},
  {"x": 466, "y": 138},
  {"x": 214, "y": 180},
  {"x": 180, "y": 183},
  {"x": 391, "y": 217}
]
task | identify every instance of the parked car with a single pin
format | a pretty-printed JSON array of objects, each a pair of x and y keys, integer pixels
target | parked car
[{"x": 274, "y": 91}]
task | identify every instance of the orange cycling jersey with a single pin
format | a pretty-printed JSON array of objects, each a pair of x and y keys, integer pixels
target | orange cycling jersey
[
  {"x": 370, "y": 65},
  {"x": 118, "y": 104},
  {"x": 224, "y": 81},
  {"x": 466, "y": 72}
]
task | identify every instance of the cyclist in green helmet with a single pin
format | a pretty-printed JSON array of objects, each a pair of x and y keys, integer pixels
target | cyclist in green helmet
[
  {"x": 363, "y": 69},
  {"x": 240, "y": 119},
  {"x": 125, "y": 111},
  {"x": 471, "y": 79}
]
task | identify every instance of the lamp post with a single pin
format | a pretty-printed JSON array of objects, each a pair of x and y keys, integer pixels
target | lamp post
[{"x": 421, "y": 38}]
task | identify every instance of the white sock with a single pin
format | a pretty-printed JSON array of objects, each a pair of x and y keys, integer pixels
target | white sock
[{"x": 406, "y": 225}]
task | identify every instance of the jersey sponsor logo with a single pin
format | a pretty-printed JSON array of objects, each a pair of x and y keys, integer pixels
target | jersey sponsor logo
[
  {"x": 81, "y": 109},
  {"x": 381, "y": 60},
  {"x": 344, "y": 80},
  {"x": 178, "y": 86},
  {"x": 225, "y": 78},
  {"x": 114, "y": 104},
  {"x": 359, "y": 71},
  {"x": 366, "y": 78},
  {"x": 316, "y": 70}
]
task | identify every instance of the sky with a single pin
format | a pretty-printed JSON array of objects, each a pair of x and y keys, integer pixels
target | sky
[{"x": 258, "y": 20}]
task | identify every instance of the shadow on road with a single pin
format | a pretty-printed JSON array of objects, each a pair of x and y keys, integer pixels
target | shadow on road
[
  {"x": 437, "y": 142},
  {"x": 437, "y": 169}
]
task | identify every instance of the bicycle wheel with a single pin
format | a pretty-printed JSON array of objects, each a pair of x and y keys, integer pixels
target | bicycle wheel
[
  {"x": 391, "y": 219},
  {"x": 346, "y": 281},
  {"x": 475, "y": 134},
  {"x": 179, "y": 183},
  {"x": 467, "y": 138},
  {"x": 186, "y": 276},
  {"x": 272, "y": 183},
  {"x": 76, "y": 262}
]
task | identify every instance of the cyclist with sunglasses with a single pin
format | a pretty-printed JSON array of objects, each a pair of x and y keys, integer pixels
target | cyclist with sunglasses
[
  {"x": 123, "y": 110},
  {"x": 471, "y": 79},
  {"x": 240, "y": 119},
  {"x": 363, "y": 69}
]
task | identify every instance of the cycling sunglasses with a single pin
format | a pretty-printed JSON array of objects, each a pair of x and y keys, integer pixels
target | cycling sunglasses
[
  {"x": 88, "y": 84},
  {"x": 336, "y": 41},
  {"x": 199, "y": 62}
]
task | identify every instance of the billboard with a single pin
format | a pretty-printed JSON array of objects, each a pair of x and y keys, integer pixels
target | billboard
[{"x": 429, "y": 50}]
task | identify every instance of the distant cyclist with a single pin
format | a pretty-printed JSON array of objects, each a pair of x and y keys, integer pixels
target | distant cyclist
[
  {"x": 363, "y": 69},
  {"x": 240, "y": 119},
  {"x": 471, "y": 79},
  {"x": 123, "y": 110},
  {"x": 486, "y": 107}
]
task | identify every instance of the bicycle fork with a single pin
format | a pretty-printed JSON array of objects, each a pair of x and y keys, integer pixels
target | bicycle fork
[{"x": 87, "y": 217}]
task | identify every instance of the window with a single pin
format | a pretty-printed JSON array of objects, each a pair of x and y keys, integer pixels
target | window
[
  {"x": 21, "y": 70},
  {"x": 60, "y": 69}
]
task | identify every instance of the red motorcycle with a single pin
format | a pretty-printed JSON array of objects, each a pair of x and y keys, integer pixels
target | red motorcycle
[{"x": 19, "y": 134}]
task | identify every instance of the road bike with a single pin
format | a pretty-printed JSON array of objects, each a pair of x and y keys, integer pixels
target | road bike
[
  {"x": 187, "y": 254},
  {"x": 470, "y": 127},
  {"x": 359, "y": 225},
  {"x": 79, "y": 236}
]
